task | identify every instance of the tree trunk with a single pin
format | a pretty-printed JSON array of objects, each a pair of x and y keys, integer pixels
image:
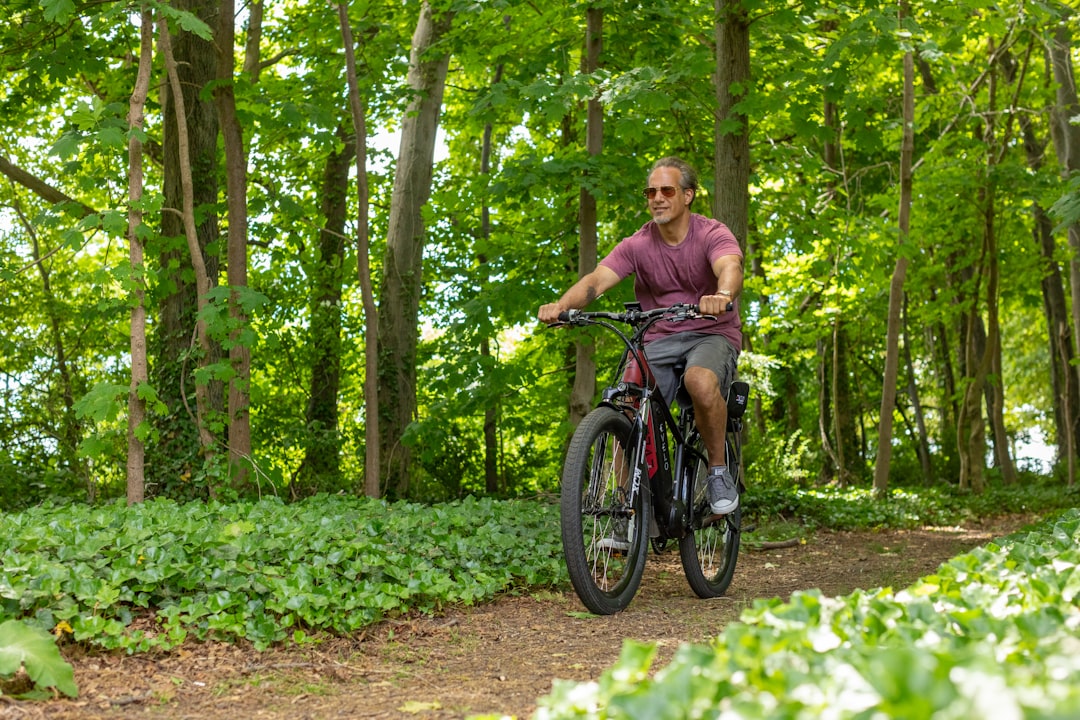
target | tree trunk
[
  {"x": 203, "y": 407},
  {"x": 136, "y": 451},
  {"x": 177, "y": 454},
  {"x": 1066, "y": 136},
  {"x": 896, "y": 286},
  {"x": 970, "y": 423},
  {"x": 321, "y": 469},
  {"x": 372, "y": 465},
  {"x": 491, "y": 412},
  {"x": 399, "y": 304},
  {"x": 839, "y": 396},
  {"x": 252, "y": 55},
  {"x": 731, "y": 199},
  {"x": 939, "y": 338},
  {"x": 1063, "y": 374},
  {"x": 970, "y": 426},
  {"x": 980, "y": 360},
  {"x": 995, "y": 405},
  {"x": 756, "y": 271},
  {"x": 922, "y": 447},
  {"x": 581, "y": 397},
  {"x": 830, "y": 470},
  {"x": 236, "y": 195},
  {"x": 846, "y": 437}
]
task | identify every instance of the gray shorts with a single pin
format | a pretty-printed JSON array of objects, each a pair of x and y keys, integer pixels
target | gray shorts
[{"x": 683, "y": 350}]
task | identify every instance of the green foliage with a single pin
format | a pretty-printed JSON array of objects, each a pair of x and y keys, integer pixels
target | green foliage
[
  {"x": 823, "y": 116},
  {"x": 1067, "y": 208},
  {"x": 991, "y": 634},
  {"x": 941, "y": 505},
  {"x": 33, "y": 649},
  {"x": 776, "y": 461},
  {"x": 264, "y": 571}
]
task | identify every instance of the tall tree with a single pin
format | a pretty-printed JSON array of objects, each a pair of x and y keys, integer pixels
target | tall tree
[
  {"x": 372, "y": 466},
  {"x": 239, "y": 417},
  {"x": 136, "y": 451},
  {"x": 203, "y": 403},
  {"x": 731, "y": 158},
  {"x": 491, "y": 411},
  {"x": 185, "y": 445},
  {"x": 1063, "y": 372},
  {"x": 896, "y": 286},
  {"x": 581, "y": 396},
  {"x": 981, "y": 344},
  {"x": 321, "y": 463},
  {"x": 403, "y": 280},
  {"x": 1066, "y": 135}
]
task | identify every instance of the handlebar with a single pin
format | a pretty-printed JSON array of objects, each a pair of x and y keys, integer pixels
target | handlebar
[
  {"x": 675, "y": 313},
  {"x": 635, "y": 317}
]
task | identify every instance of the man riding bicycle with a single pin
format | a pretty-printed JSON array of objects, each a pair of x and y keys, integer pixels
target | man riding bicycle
[{"x": 681, "y": 257}]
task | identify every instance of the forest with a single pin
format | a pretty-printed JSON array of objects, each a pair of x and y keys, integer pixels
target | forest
[{"x": 296, "y": 248}]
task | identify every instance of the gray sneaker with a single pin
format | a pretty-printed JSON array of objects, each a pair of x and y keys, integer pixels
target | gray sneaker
[
  {"x": 723, "y": 494},
  {"x": 618, "y": 539}
]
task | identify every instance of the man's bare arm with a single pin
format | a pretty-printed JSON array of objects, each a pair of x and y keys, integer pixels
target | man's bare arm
[
  {"x": 580, "y": 294},
  {"x": 729, "y": 284}
]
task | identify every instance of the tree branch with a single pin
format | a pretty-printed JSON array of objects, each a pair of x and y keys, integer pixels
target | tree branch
[{"x": 41, "y": 188}]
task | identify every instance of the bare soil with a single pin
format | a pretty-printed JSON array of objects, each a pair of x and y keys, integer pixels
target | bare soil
[{"x": 497, "y": 658}]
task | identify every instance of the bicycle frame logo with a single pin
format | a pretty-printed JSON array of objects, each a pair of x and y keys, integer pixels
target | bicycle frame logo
[{"x": 634, "y": 377}]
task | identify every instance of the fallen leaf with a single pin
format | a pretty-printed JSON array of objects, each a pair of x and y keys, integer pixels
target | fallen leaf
[{"x": 415, "y": 707}]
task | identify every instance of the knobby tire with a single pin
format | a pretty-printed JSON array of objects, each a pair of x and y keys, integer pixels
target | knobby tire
[
  {"x": 595, "y": 496},
  {"x": 709, "y": 551}
]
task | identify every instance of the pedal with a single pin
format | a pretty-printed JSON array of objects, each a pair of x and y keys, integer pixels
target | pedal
[{"x": 712, "y": 520}]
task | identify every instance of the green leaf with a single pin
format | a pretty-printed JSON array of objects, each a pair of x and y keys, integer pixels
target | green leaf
[
  {"x": 58, "y": 11},
  {"x": 24, "y": 646},
  {"x": 102, "y": 403}
]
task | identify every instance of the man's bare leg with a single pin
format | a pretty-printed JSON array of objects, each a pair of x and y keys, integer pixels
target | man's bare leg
[{"x": 711, "y": 413}]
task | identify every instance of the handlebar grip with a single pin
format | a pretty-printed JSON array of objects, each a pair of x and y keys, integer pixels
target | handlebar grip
[{"x": 564, "y": 316}]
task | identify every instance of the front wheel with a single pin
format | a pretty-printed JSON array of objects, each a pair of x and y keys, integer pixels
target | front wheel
[
  {"x": 604, "y": 516},
  {"x": 709, "y": 550}
]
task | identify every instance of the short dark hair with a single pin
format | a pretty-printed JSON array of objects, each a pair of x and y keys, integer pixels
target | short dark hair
[{"x": 689, "y": 175}]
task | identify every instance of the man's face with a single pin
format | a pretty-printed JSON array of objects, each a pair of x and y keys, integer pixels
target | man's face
[{"x": 667, "y": 209}]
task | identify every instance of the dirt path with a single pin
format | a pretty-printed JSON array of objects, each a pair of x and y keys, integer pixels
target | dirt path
[{"x": 497, "y": 658}]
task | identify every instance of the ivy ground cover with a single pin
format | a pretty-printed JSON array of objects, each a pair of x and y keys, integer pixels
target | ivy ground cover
[
  {"x": 155, "y": 574},
  {"x": 995, "y": 633}
]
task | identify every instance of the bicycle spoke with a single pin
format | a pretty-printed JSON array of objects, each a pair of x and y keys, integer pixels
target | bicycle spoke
[{"x": 601, "y": 535}]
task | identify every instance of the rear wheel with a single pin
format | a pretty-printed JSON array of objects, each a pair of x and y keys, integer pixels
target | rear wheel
[
  {"x": 604, "y": 524},
  {"x": 709, "y": 550}
]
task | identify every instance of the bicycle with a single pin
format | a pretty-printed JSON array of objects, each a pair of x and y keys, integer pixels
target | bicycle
[{"x": 621, "y": 491}]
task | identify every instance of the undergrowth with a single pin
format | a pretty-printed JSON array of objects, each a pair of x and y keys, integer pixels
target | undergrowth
[
  {"x": 152, "y": 575},
  {"x": 156, "y": 574},
  {"x": 993, "y": 634}
]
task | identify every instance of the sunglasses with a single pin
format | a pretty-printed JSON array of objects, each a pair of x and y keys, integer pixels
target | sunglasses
[{"x": 667, "y": 190}]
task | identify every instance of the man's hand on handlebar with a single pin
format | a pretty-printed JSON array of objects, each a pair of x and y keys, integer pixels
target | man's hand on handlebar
[
  {"x": 715, "y": 305},
  {"x": 549, "y": 314}
]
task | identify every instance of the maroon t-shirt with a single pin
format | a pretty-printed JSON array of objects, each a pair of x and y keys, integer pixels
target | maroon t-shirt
[{"x": 665, "y": 275}]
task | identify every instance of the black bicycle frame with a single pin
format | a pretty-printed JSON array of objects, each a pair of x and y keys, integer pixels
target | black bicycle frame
[{"x": 668, "y": 484}]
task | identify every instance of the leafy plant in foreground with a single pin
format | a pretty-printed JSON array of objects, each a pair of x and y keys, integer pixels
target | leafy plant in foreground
[
  {"x": 33, "y": 649},
  {"x": 993, "y": 634}
]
